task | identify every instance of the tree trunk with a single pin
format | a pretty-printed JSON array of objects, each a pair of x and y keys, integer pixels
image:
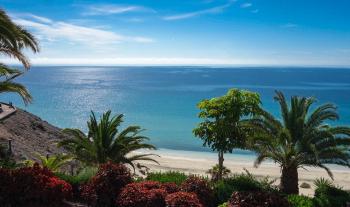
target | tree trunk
[
  {"x": 221, "y": 164},
  {"x": 289, "y": 180}
]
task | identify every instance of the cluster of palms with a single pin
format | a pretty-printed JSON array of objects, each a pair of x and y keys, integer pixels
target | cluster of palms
[
  {"x": 302, "y": 137},
  {"x": 13, "y": 39}
]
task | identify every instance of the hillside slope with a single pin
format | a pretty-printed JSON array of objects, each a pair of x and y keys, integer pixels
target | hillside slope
[{"x": 29, "y": 134}]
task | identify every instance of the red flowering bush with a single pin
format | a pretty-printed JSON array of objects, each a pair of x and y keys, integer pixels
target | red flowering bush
[
  {"x": 257, "y": 199},
  {"x": 143, "y": 194},
  {"x": 32, "y": 186},
  {"x": 105, "y": 186},
  {"x": 170, "y": 187},
  {"x": 200, "y": 187},
  {"x": 182, "y": 199}
]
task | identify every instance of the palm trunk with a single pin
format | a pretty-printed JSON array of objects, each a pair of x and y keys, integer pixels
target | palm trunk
[
  {"x": 221, "y": 164},
  {"x": 289, "y": 180}
]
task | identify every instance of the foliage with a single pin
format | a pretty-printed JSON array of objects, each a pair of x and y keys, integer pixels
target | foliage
[
  {"x": 223, "y": 205},
  {"x": 32, "y": 186},
  {"x": 300, "y": 201},
  {"x": 105, "y": 143},
  {"x": 6, "y": 161},
  {"x": 166, "y": 177},
  {"x": 257, "y": 199},
  {"x": 102, "y": 189},
  {"x": 201, "y": 188},
  {"x": 222, "y": 128},
  {"x": 142, "y": 194},
  {"x": 54, "y": 162},
  {"x": 81, "y": 178},
  {"x": 182, "y": 199},
  {"x": 300, "y": 138},
  {"x": 13, "y": 40},
  {"x": 327, "y": 194},
  {"x": 214, "y": 172},
  {"x": 241, "y": 182},
  {"x": 171, "y": 187}
]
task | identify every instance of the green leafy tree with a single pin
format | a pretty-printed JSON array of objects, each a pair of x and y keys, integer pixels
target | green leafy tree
[
  {"x": 13, "y": 39},
  {"x": 105, "y": 143},
  {"x": 300, "y": 138},
  {"x": 223, "y": 128}
]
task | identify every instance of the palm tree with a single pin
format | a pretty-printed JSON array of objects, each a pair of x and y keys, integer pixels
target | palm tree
[
  {"x": 54, "y": 162},
  {"x": 13, "y": 39},
  {"x": 105, "y": 143},
  {"x": 7, "y": 85},
  {"x": 301, "y": 138}
]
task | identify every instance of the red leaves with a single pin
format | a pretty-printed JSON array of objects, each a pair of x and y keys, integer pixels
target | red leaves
[
  {"x": 182, "y": 199},
  {"x": 257, "y": 199},
  {"x": 200, "y": 187},
  {"x": 143, "y": 194},
  {"x": 106, "y": 184},
  {"x": 32, "y": 185}
]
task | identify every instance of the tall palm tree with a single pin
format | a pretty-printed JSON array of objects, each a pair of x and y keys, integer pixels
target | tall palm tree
[
  {"x": 300, "y": 138},
  {"x": 105, "y": 143},
  {"x": 13, "y": 39}
]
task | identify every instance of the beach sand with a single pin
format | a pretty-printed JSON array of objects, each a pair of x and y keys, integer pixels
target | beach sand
[{"x": 200, "y": 162}]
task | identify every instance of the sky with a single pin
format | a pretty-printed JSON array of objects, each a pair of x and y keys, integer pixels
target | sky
[{"x": 186, "y": 32}]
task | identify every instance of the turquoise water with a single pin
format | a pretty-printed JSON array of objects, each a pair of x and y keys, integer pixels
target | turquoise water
[{"x": 163, "y": 99}]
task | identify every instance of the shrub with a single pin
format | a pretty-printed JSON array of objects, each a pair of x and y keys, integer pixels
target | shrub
[
  {"x": 201, "y": 188},
  {"x": 223, "y": 205},
  {"x": 327, "y": 194},
  {"x": 170, "y": 187},
  {"x": 300, "y": 201},
  {"x": 34, "y": 186},
  {"x": 241, "y": 182},
  {"x": 76, "y": 181},
  {"x": 167, "y": 177},
  {"x": 257, "y": 199},
  {"x": 142, "y": 194},
  {"x": 103, "y": 188},
  {"x": 182, "y": 199},
  {"x": 214, "y": 172}
]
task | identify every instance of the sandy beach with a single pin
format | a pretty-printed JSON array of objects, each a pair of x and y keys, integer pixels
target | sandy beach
[{"x": 200, "y": 162}]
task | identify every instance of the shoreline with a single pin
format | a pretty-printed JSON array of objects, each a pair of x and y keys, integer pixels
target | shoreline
[{"x": 191, "y": 162}]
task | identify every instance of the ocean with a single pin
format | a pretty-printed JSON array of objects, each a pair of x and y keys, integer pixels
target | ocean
[{"x": 163, "y": 100}]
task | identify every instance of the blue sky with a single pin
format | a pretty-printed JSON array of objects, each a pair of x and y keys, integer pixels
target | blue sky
[{"x": 187, "y": 32}]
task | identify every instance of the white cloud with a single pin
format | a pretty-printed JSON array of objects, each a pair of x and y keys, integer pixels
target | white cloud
[
  {"x": 213, "y": 10},
  {"x": 289, "y": 25},
  {"x": 180, "y": 61},
  {"x": 109, "y": 9},
  {"x": 50, "y": 30},
  {"x": 246, "y": 5},
  {"x": 255, "y": 11}
]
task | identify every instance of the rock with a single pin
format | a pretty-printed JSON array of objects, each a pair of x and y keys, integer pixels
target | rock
[
  {"x": 30, "y": 134},
  {"x": 305, "y": 185}
]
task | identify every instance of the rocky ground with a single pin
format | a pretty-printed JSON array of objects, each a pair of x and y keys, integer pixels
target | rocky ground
[{"x": 29, "y": 134}]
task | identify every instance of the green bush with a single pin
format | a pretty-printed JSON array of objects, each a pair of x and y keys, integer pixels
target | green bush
[
  {"x": 223, "y": 205},
  {"x": 167, "y": 177},
  {"x": 300, "y": 201},
  {"x": 83, "y": 176},
  {"x": 241, "y": 182},
  {"x": 327, "y": 194},
  {"x": 76, "y": 181}
]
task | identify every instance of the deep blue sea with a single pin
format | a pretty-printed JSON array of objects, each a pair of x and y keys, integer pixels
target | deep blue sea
[{"x": 163, "y": 100}]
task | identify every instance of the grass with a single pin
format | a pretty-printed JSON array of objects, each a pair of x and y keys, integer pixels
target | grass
[{"x": 169, "y": 176}]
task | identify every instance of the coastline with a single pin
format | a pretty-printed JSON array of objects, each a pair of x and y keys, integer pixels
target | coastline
[{"x": 191, "y": 162}]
